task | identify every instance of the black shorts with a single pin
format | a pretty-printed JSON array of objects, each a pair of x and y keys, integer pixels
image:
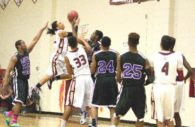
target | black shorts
[
  {"x": 105, "y": 92},
  {"x": 20, "y": 87},
  {"x": 131, "y": 97}
]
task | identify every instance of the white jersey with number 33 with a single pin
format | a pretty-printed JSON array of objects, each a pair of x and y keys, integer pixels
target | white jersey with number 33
[
  {"x": 79, "y": 62},
  {"x": 165, "y": 66}
]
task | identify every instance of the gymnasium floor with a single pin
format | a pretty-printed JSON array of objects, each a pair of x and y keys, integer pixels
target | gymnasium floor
[{"x": 42, "y": 120}]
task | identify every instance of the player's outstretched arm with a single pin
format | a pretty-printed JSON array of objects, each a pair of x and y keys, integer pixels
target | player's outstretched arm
[
  {"x": 74, "y": 25},
  {"x": 87, "y": 47},
  {"x": 36, "y": 38},
  {"x": 63, "y": 34}
]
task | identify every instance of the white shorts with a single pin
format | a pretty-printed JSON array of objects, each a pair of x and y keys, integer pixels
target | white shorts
[
  {"x": 57, "y": 65},
  {"x": 179, "y": 96},
  {"x": 163, "y": 99},
  {"x": 80, "y": 92}
]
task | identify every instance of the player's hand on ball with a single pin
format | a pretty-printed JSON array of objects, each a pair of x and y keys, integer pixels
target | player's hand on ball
[{"x": 76, "y": 21}]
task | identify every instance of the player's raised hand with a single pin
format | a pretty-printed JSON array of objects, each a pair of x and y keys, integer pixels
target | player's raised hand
[{"x": 75, "y": 21}]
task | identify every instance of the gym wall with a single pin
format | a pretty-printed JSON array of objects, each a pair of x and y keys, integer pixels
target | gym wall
[{"x": 151, "y": 20}]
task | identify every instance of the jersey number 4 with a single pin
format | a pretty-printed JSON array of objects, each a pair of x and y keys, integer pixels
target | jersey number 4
[
  {"x": 104, "y": 66},
  {"x": 165, "y": 68}
]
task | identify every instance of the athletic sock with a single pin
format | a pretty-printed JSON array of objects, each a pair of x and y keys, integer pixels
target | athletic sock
[
  {"x": 63, "y": 123},
  {"x": 15, "y": 118},
  {"x": 9, "y": 113}
]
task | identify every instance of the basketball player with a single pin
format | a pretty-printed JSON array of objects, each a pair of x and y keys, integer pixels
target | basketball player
[
  {"x": 179, "y": 88},
  {"x": 131, "y": 72},
  {"x": 20, "y": 64},
  {"x": 103, "y": 65},
  {"x": 57, "y": 68},
  {"x": 95, "y": 46},
  {"x": 166, "y": 65},
  {"x": 81, "y": 88},
  {"x": 80, "y": 40},
  {"x": 96, "y": 36}
]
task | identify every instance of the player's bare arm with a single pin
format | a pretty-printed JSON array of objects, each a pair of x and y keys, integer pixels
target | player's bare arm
[
  {"x": 10, "y": 67},
  {"x": 74, "y": 25},
  {"x": 86, "y": 45},
  {"x": 188, "y": 67},
  {"x": 69, "y": 68},
  {"x": 6, "y": 88},
  {"x": 118, "y": 74},
  {"x": 63, "y": 34},
  {"x": 149, "y": 72},
  {"x": 36, "y": 38},
  {"x": 93, "y": 65}
]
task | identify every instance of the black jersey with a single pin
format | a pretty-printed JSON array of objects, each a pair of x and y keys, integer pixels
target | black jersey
[
  {"x": 22, "y": 67},
  {"x": 106, "y": 62},
  {"x": 95, "y": 47},
  {"x": 132, "y": 67}
]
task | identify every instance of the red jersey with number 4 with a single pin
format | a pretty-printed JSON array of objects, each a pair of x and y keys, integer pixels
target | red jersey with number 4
[
  {"x": 79, "y": 62},
  {"x": 166, "y": 64}
]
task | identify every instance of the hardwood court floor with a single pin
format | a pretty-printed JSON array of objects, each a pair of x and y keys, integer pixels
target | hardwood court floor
[{"x": 42, "y": 120}]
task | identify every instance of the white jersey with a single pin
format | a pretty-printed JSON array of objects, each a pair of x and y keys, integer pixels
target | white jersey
[
  {"x": 79, "y": 62},
  {"x": 179, "y": 91},
  {"x": 180, "y": 56},
  {"x": 61, "y": 45},
  {"x": 57, "y": 66},
  {"x": 165, "y": 66}
]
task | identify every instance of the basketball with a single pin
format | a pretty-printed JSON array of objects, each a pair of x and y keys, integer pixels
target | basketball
[{"x": 72, "y": 14}]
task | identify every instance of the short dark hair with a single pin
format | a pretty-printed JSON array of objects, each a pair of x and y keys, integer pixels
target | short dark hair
[
  {"x": 17, "y": 43},
  {"x": 133, "y": 39},
  {"x": 167, "y": 42},
  {"x": 106, "y": 41},
  {"x": 72, "y": 41},
  {"x": 99, "y": 34}
]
